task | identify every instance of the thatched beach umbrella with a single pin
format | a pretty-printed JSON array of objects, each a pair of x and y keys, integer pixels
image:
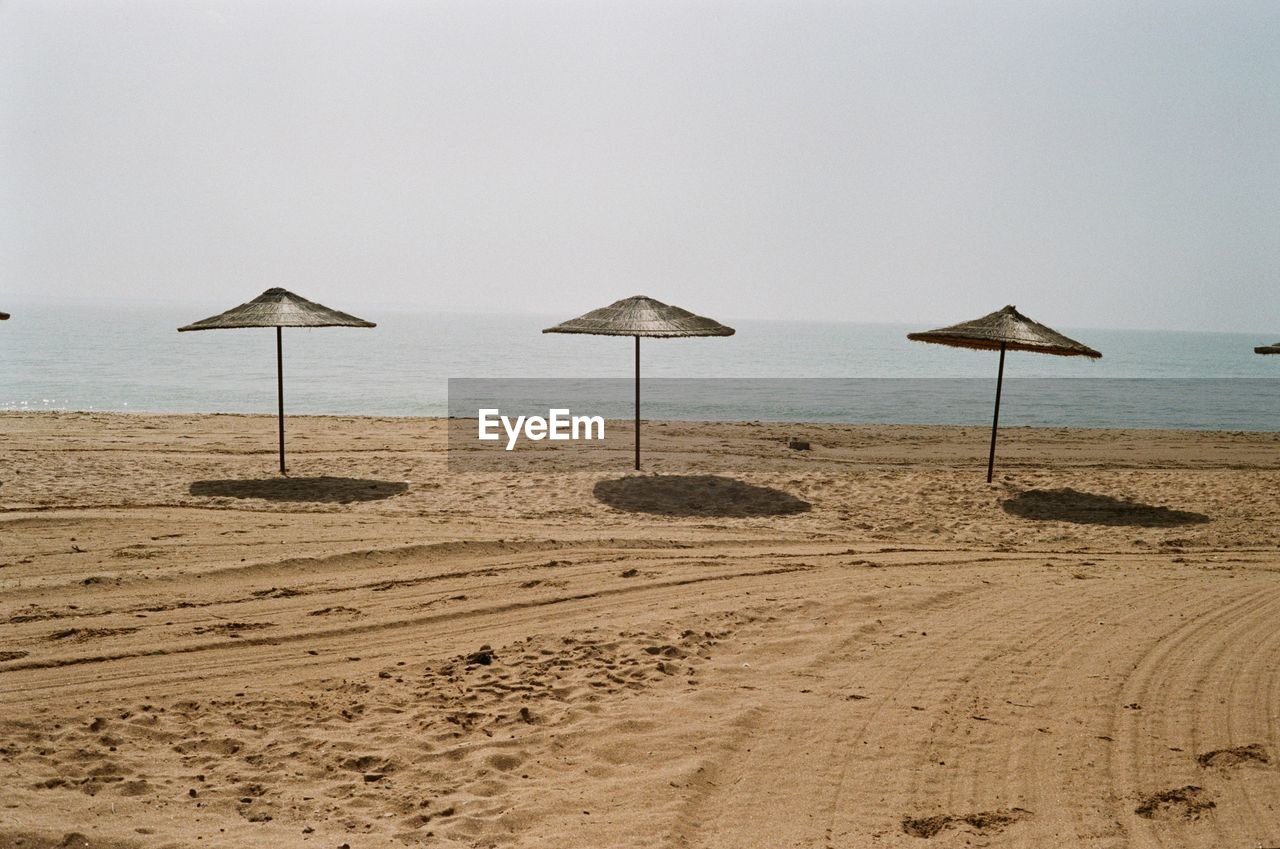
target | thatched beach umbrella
[
  {"x": 641, "y": 316},
  {"x": 279, "y": 308},
  {"x": 1004, "y": 330},
  {"x": 1268, "y": 349},
  {"x": 4, "y": 316}
]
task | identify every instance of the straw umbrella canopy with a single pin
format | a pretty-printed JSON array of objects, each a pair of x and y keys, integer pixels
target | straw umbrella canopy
[
  {"x": 278, "y": 308},
  {"x": 641, "y": 316},
  {"x": 4, "y": 316},
  {"x": 1268, "y": 349},
  {"x": 1005, "y": 330}
]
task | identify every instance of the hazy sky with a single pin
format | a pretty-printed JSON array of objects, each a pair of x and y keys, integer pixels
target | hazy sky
[{"x": 1106, "y": 164}]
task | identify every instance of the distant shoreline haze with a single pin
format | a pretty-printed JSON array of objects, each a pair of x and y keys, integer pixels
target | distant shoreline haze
[
  {"x": 27, "y": 303},
  {"x": 131, "y": 358}
]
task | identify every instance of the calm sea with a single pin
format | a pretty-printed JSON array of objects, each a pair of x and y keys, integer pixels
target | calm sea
[{"x": 130, "y": 358}]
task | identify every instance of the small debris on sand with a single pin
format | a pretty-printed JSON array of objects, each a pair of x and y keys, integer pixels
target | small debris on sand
[
  {"x": 1188, "y": 803},
  {"x": 986, "y": 822}
]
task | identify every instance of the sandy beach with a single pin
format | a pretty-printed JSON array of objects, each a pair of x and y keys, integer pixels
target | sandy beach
[{"x": 862, "y": 644}]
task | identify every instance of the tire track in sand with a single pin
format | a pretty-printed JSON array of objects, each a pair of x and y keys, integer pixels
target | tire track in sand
[{"x": 1082, "y": 650}]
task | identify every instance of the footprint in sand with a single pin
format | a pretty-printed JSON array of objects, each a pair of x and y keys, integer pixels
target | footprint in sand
[
  {"x": 222, "y": 746},
  {"x": 134, "y": 788},
  {"x": 505, "y": 762},
  {"x": 370, "y": 765}
]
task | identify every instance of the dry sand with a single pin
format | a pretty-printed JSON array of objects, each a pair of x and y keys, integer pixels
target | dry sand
[{"x": 862, "y": 645}]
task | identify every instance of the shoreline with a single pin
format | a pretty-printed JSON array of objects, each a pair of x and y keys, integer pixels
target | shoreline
[{"x": 435, "y": 420}]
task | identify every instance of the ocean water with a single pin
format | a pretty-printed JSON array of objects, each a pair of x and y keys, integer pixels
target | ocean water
[{"x": 130, "y": 358}]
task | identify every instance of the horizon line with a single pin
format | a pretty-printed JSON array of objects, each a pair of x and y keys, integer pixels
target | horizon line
[{"x": 415, "y": 308}]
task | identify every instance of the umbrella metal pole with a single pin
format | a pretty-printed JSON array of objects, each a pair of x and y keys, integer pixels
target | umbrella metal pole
[
  {"x": 280, "y": 390},
  {"x": 637, "y": 403},
  {"x": 995, "y": 419}
]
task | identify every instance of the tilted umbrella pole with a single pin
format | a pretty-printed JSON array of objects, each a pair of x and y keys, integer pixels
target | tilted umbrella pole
[
  {"x": 995, "y": 419},
  {"x": 1008, "y": 328},
  {"x": 280, "y": 390}
]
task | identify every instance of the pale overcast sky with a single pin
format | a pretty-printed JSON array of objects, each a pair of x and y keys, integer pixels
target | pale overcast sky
[{"x": 1105, "y": 164}]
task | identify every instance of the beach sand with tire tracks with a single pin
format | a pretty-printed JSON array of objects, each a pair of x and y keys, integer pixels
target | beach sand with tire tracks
[{"x": 862, "y": 644}]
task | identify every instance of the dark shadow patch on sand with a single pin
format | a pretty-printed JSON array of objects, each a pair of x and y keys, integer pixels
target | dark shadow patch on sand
[
  {"x": 1186, "y": 803},
  {"x": 80, "y": 635},
  {"x": 68, "y": 840},
  {"x": 1223, "y": 758},
  {"x": 1086, "y": 508},
  {"x": 697, "y": 495},
  {"x": 983, "y": 822},
  {"x": 329, "y": 489}
]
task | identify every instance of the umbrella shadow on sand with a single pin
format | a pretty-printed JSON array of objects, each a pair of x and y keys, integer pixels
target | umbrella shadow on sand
[
  {"x": 1086, "y": 508},
  {"x": 697, "y": 495},
  {"x": 322, "y": 489}
]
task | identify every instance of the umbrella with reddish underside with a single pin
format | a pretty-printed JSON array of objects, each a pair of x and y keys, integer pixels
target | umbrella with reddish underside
[
  {"x": 4, "y": 316},
  {"x": 641, "y": 316},
  {"x": 1005, "y": 330},
  {"x": 279, "y": 308}
]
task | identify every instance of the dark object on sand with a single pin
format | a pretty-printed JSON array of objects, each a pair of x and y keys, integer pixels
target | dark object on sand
[
  {"x": 641, "y": 316},
  {"x": 1004, "y": 330},
  {"x": 1187, "y": 803},
  {"x": 278, "y": 308},
  {"x": 333, "y": 490},
  {"x": 1087, "y": 508},
  {"x": 983, "y": 822},
  {"x": 696, "y": 495}
]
